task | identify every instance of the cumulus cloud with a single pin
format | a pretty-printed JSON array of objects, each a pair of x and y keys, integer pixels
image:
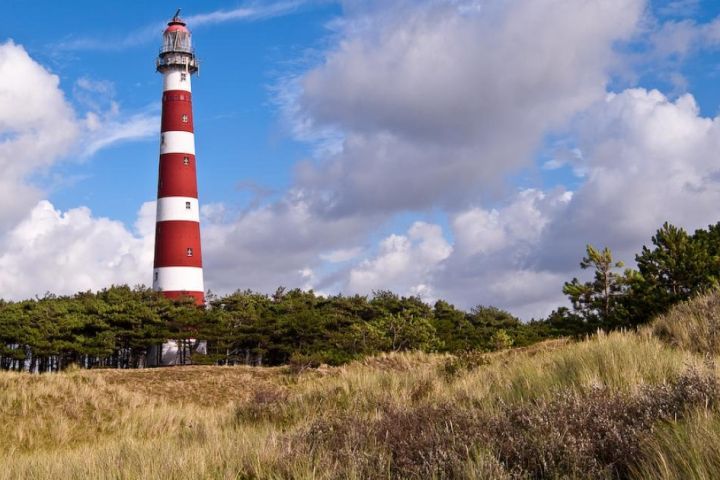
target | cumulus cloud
[
  {"x": 648, "y": 160},
  {"x": 496, "y": 255},
  {"x": 480, "y": 231},
  {"x": 493, "y": 259},
  {"x": 37, "y": 127},
  {"x": 45, "y": 249},
  {"x": 436, "y": 100},
  {"x": 276, "y": 245},
  {"x": 66, "y": 252},
  {"x": 404, "y": 261}
]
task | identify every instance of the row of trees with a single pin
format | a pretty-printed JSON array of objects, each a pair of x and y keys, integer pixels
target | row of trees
[{"x": 118, "y": 326}]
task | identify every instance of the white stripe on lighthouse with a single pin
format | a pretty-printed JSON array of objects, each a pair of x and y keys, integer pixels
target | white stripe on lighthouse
[
  {"x": 174, "y": 279},
  {"x": 178, "y": 208},
  {"x": 173, "y": 80},
  {"x": 177, "y": 142}
]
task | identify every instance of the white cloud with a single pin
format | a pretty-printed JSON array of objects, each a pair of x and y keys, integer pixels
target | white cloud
[
  {"x": 105, "y": 124},
  {"x": 341, "y": 255},
  {"x": 106, "y": 130},
  {"x": 495, "y": 258},
  {"x": 479, "y": 231},
  {"x": 672, "y": 42},
  {"x": 247, "y": 13},
  {"x": 148, "y": 33},
  {"x": 404, "y": 263},
  {"x": 37, "y": 128},
  {"x": 66, "y": 252},
  {"x": 648, "y": 160},
  {"x": 275, "y": 245},
  {"x": 436, "y": 100},
  {"x": 44, "y": 249}
]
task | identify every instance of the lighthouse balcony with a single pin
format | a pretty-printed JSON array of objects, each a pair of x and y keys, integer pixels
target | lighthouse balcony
[{"x": 175, "y": 58}]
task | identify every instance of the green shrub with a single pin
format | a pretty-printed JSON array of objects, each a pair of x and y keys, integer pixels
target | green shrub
[
  {"x": 464, "y": 362},
  {"x": 500, "y": 340}
]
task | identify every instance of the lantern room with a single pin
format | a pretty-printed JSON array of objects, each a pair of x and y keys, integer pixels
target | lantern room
[{"x": 176, "y": 50}]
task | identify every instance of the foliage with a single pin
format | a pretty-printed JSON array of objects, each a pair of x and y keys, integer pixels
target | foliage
[
  {"x": 500, "y": 340},
  {"x": 597, "y": 300},
  {"x": 678, "y": 266},
  {"x": 117, "y": 326}
]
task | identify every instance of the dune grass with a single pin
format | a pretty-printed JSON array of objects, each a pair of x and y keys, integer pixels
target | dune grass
[
  {"x": 683, "y": 450},
  {"x": 692, "y": 325},
  {"x": 625, "y": 404}
]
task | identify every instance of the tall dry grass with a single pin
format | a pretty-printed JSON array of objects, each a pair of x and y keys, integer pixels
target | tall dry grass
[
  {"x": 692, "y": 325},
  {"x": 612, "y": 406},
  {"x": 688, "y": 449}
]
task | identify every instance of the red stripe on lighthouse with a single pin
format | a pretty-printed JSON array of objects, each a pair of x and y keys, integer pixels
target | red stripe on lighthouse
[
  {"x": 176, "y": 114},
  {"x": 177, "y": 244},
  {"x": 178, "y": 176},
  {"x": 177, "y": 95},
  {"x": 198, "y": 296}
]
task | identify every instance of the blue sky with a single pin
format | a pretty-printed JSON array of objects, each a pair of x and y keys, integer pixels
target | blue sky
[
  {"x": 239, "y": 135},
  {"x": 459, "y": 149}
]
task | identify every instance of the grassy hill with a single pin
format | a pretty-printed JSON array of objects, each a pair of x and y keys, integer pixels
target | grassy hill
[{"x": 627, "y": 404}]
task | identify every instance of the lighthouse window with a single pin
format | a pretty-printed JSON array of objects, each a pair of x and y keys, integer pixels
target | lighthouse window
[
  {"x": 187, "y": 205},
  {"x": 162, "y": 139},
  {"x": 186, "y": 161},
  {"x": 185, "y": 118},
  {"x": 189, "y": 252},
  {"x": 156, "y": 276},
  {"x": 183, "y": 77},
  {"x": 182, "y": 97}
]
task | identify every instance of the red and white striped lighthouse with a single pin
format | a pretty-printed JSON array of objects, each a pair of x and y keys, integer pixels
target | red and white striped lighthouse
[{"x": 178, "y": 256}]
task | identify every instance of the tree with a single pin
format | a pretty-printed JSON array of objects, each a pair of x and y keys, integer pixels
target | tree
[
  {"x": 454, "y": 330},
  {"x": 598, "y": 301},
  {"x": 677, "y": 267}
]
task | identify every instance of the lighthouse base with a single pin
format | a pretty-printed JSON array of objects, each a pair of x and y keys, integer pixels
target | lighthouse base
[{"x": 173, "y": 352}]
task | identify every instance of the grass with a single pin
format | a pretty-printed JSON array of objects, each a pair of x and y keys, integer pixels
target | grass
[
  {"x": 626, "y": 404},
  {"x": 693, "y": 325},
  {"x": 686, "y": 449}
]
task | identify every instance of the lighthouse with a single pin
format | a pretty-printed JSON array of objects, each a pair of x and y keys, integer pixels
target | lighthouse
[{"x": 177, "y": 269}]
